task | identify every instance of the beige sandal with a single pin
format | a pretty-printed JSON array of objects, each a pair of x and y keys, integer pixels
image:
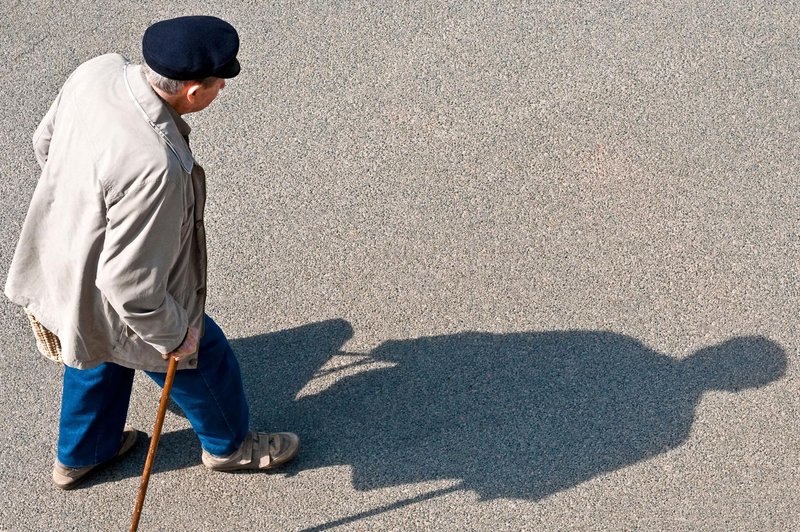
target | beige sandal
[
  {"x": 67, "y": 478},
  {"x": 258, "y": 451}
]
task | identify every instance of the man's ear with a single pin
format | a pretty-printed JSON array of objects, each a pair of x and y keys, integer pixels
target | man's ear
[{"x": 190, "y": 93}]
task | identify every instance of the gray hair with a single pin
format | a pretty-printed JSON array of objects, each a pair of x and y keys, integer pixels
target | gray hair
[{"x": 170, "y": 86}]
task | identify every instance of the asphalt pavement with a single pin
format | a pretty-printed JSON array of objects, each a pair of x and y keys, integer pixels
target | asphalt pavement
[{"x": 501, "y": 265}]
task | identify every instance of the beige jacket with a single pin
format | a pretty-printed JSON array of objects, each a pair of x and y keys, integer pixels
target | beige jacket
[{"x": 112, "y": 253}]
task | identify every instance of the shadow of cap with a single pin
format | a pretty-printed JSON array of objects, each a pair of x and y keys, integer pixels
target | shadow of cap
[{"x": 737, "y": 364}]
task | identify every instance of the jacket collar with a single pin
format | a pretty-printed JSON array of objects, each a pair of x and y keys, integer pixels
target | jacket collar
[{"x": 161, "y": 117}]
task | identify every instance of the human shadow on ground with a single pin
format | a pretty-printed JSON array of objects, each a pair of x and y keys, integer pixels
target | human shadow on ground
[{"x": 521, "y": 415}]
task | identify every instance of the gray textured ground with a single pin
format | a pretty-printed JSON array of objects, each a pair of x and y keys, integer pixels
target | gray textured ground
[{"x": 501, "y": 265}]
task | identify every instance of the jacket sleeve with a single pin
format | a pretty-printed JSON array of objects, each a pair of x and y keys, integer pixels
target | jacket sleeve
[
  {"x": 43, "y": 133},
  {"x": 142, "y": 240}
]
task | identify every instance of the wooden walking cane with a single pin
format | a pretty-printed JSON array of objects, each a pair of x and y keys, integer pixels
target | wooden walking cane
[{"x": 151, "y": 454}]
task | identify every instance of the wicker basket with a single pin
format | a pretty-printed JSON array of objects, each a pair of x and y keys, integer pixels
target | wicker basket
[{"x": 46, "y": 342}]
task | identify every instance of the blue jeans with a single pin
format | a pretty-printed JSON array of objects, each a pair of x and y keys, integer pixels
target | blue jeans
[{"x": 94, "y": 403}]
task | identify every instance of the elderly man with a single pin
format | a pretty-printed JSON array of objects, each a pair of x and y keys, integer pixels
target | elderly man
[{"x": 112, "y": 254}]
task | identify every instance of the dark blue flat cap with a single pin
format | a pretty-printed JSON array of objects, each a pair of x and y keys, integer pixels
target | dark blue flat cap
[{"x": 192, "y": 48}]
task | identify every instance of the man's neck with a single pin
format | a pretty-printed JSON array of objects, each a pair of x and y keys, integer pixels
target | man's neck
[{"x": 173, "y": 100}]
